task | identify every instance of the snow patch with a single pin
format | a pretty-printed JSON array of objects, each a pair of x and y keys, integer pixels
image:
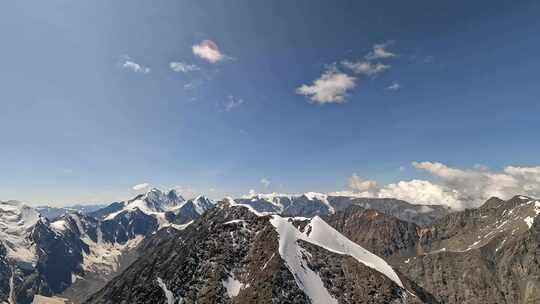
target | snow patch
[
  {"x": 59, "y": 225},
  {"x": 294, "y": 256},
  {"x": 16, "y": 220},
  {"x": 320, "y": 197},
  {"x": 104, "y": 258},
  {"x": 529, "y": 221},
  {"x": 232, "y": 203},
  {"x": 168, "y": 294},
  {"x": 232, "y": 286}
]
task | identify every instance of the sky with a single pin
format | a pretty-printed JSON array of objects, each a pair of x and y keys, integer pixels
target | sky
[{"x": 100, "y": 100}]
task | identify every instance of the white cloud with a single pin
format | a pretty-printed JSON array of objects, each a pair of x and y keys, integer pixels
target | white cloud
[
  {"x": 331, "y": 87},
  {"x": 365, "y": 67},
  {"x": 361, "y": 185},
  {"x": 454, "y": 187},
  {"x": 394, "y": 87},
  {"x": 265, "y": 182},
  {"x": 135, "y": 67},
  {"x": 183, "y": 67},
  {"x": 421, "y": 192},
  {"x": 142, "y": 186},
  {"x": 380, "y": 51},
  {"x": 208, "y": 51},
  {"x": 233, "y": 102}
]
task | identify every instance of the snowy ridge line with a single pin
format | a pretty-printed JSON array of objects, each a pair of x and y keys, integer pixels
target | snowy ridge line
[
  {"x": 323, "y": 235},
  {"x": 232, "y": 203}
]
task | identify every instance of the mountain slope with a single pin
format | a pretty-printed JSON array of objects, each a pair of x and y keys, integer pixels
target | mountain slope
[
  {"x": 233, "y": 255},
  {"x": 74, "y": 255},
  {"x": 379, "y": 233},
  {"x": 485, "y": 255}
]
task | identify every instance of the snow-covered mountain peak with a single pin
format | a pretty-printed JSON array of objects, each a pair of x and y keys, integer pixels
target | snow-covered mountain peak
[
  {"x": 16, "y": 219},
  {"x": 159, "y": 201},
  {"x": 14, "y": 214}
]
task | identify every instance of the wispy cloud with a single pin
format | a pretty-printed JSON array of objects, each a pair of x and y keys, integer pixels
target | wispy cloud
[
  {"x": 331, "y": 87},
  {"x": 393, "y": 87},
  {"x": 209, "y": 51},
  {"x": 370, "y": 65},
  {"x": 140, "y": 187},
  {"x": 182, "y": 67},
  {"x": 135, "y": 67},
  {"x": 265, "y": 182},
  {"x": 233, "y": 102},
  {"x": 380, "y": 51},
  {"x": 365, "y": 67}
]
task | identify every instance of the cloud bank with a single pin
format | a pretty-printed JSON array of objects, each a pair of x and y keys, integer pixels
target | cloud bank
[{"x": 453, "y": 187}]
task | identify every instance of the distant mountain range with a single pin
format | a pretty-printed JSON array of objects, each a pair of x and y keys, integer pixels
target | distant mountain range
[
  {"x": 308, "y": 248},
  {"x": 53, "y": 212}
]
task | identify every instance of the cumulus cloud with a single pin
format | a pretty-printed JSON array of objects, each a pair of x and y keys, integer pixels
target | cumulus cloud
[
  {"x": 478, "y": 184},
  {"x": 233, "y": 102},
  {"x": 359, "y": 184},
  {"x": 182, "y": 67},
  {"x": 209, "y": 51},
  {"x": 365, "y": 67},
  {"x": 140, "y": 187},
  {"x": 421, "y": 192},
  {"x": 331, "y": 87},
  {"x": 265, "y": 182},
  {"x": 135, "y": 67},
  {"x": 380, "y": 51},
  {"x": 393, "y": 87},
  {"x": 455, "y": 187}
]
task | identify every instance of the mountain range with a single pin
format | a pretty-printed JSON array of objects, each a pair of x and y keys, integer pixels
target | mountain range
[{"x": 271, "y": 248}]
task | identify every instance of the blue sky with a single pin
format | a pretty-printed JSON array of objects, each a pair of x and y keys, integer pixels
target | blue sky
[{"x": 90, "y": 105}]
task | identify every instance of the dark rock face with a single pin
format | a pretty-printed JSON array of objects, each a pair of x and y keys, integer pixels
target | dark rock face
[
  {"x": 484, "y": 255},
  {"x": 5, "y": 275},
  {"x": 127, "y": 225},
  {"x": 103, "y": 212},
  {"x": 365, "y": 284},
  {"x": 231, "y": 244},
  {"x": 190, "y": 210},
  {"x": 421, "y": 215},
  {"x": 379, "y": 233},
  {"x": 58, "y": 256}
]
